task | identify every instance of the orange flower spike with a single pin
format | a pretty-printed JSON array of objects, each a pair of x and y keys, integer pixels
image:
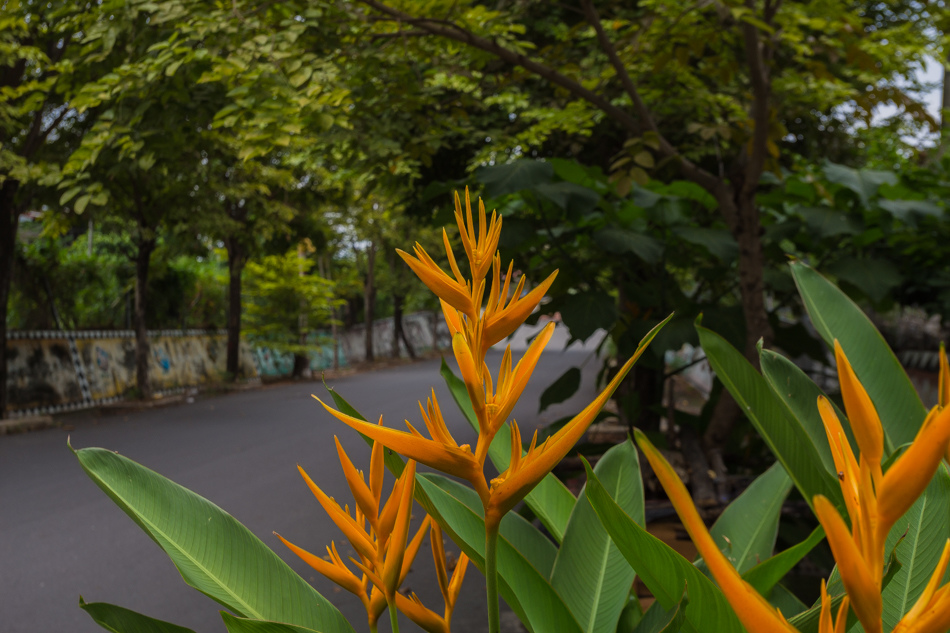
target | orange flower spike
[
  {"x": 480, "y": 250},
  {"x": 377, "y": 470},
  {"x": 474, "y": 382},
  {"x": 825, "y": 623},
  {"x": 458, "y": 461},
  {"x": 755, "y": 613},
  {"x": 353, "y": 532},
  {"x": 926, "y": 602},
  {"x": 426, "y": 619},
  {"x": 910, "y": 474},
  {"x": 859, "y": 581},
  {"x": 450, "y": 290},
  {"x": 361, "y": 492},
  {"x": 511, "y": 384},
  {"x": 512, "y": 486},
  {"x": 396, "y": 547},
  {"x": 865, "y": 422},
  {"x": 845, "y": 463},
  {"x": 435, "y": 423},
  {"x": 338, "y": 573},
  {"x": 505, "y": 321}
]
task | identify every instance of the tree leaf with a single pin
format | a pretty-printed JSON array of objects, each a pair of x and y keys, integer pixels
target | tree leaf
[
  {"x": 785, "y": 436},
  {"x": 618, "y": 240},
  {"x": 863, "y": 182},
  {"x": 500, "y": 180},
  {"x": 835, "y": 316},
  {"x": 590, "y": 572},
  {"x": 561, "y": 389},
  {"x": 586, "y": 312},
  {"x": 571, "y": 198},
  {"x": 214, "y": 553},
  {"x": 718, "y": 242},
  {"x": 521, "y": 583},
  {"x": 122, "y": 620},
  {"x": 550, "y": 500},
  {"x": 664, "y": 571}
]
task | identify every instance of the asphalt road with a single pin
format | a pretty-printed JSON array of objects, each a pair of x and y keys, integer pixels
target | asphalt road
[{"x": 61, "y": 537}]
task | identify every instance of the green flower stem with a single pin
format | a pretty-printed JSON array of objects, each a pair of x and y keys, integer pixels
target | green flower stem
[
  {"x": 393, "y": 619},
  {"x": 491, "y": 577}
]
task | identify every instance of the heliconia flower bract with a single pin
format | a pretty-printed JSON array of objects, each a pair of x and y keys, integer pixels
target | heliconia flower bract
[
  {"x": 875, "y": 500},
  {"x": 412, "y": 606},
  {"x": 385, "y": 551},
  {"x": 476, "y": 325}
]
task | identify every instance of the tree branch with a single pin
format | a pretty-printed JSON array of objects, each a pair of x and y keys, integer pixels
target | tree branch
[{"x": 691, "y": 170}]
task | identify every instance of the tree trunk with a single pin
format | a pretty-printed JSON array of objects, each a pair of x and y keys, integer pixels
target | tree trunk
[
  {"x": 746, "y": 229},
  {"x": 8, "y": 230},
  {"x": 399, "y": 332},
  {"x": 236, "y": 258},
  {"x": 369, "y": 303},
  {"x": 145, "y": 248}
]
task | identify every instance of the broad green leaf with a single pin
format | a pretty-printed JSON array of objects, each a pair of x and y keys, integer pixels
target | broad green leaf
[
  {"x": 245, "y": 625},
  {"x": 786, "y": 437},
  {"x": 827, "y": 222},
  {"x": 747, "y": 528},
  {"x": 214, "y": 553},
  {"x": 570, "y": 197},
  {"x": 863, "y": 182},
  {"x": 619, "y": 240},
  {"x": 835, "y": 316},
  {"x": 513, "y": 177},
  {"x": 587, "y": 312},
  {"x": 769, "y": 572},
  {"x": 664, "y": 571},
  {"x": 590, "y": 572},
  {"x": 550, "y": 500},
  {"x": 800, "y": 394},
  {"x": 660, "y": 620},
  {"x": 122, "y": 620},
  {"x": 874, "y": 277},
  {"x": 521, "y": 557},
  {"x": 785, "y": 601},
  {"x": 719, "y": 242},
  {"x": 561, "y": 389}
]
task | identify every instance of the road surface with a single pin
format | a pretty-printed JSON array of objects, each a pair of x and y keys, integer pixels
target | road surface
[{"x": 61, "y": 537}]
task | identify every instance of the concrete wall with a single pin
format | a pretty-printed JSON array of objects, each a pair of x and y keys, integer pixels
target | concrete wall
[{"x": 52, "y": 371}]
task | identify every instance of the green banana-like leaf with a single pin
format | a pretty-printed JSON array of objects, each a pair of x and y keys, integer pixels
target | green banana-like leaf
[
  {"x": 550, "y": 500},
  {"x": 521, "y": 557},
  {"x": 244, "y": 625},
  {"x": 590, "y": 572},
  {"x": 766, "y": 575},
  {"x": 800, "y": 394},
  {"x": 214, "y": 553},
  {"x": 663, "y": 570},
  {"x": 660, "y": 620},
  {"x": 747, "y": 528},
  {"x": 835, "y": 316},
  {"x": 788, "y": 440},
  {"x": 785, "y": 601},
  {"x": 122, "y": 620}
]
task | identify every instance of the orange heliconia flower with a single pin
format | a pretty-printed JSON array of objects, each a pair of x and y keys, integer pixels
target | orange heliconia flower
[
  {"x": 874, "y": 500},
  {"x": 412, "y": 606},
  {"x": 385, "y": 552},
  {"x": 476, "y": 325}
]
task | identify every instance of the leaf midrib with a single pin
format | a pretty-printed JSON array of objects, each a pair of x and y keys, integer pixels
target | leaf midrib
[
  {"x": 250, "y": 610},
  {"x": 913, "y": 556}
]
